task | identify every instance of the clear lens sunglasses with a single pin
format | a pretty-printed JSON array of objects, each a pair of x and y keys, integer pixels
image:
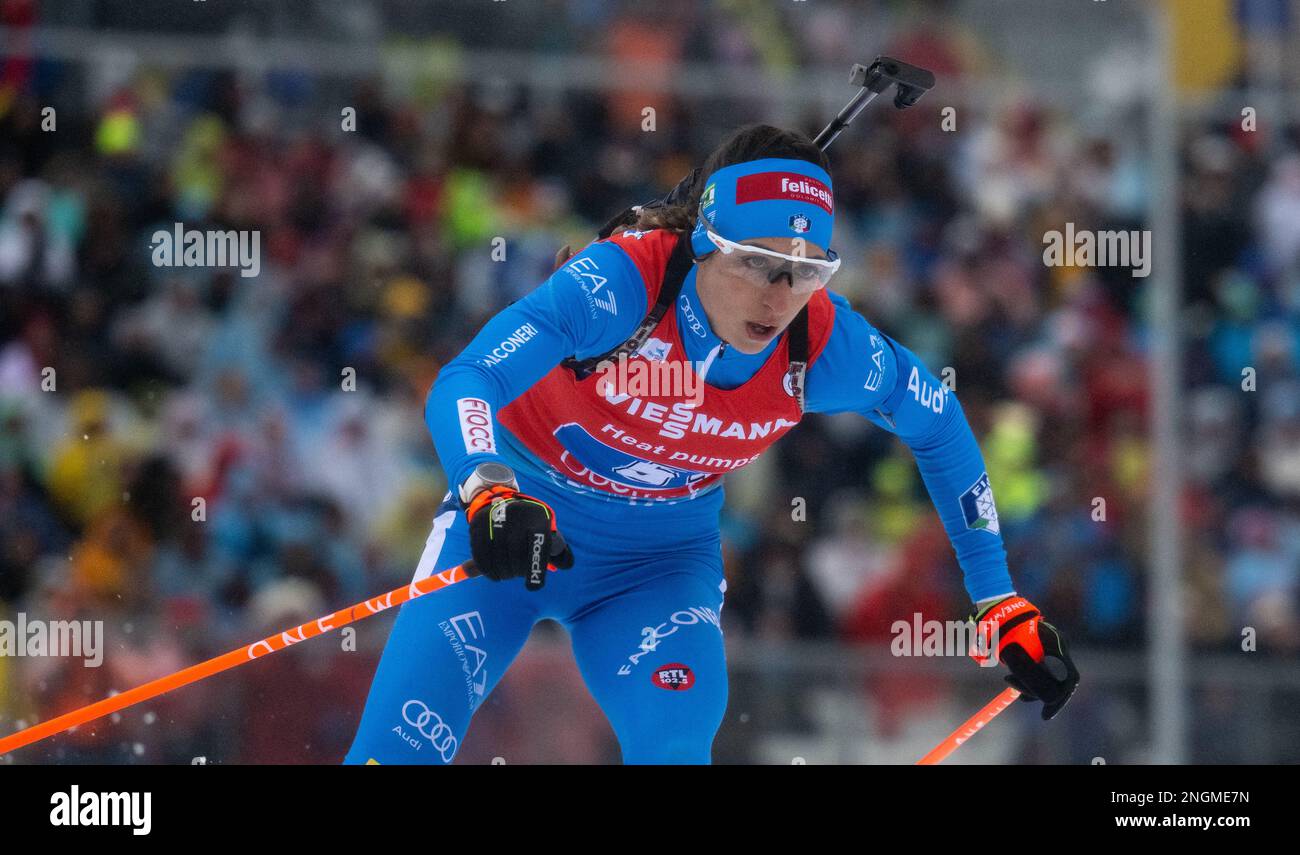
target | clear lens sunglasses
[{"x": 762, "y": 267}]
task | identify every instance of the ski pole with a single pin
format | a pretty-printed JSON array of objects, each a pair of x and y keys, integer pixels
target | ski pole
[
  {"x": 912, "y": 82},
  {"x": 226, "y": 661},
  {"x": 969, "y": 728}
]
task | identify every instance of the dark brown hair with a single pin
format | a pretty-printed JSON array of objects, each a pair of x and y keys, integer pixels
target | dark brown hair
[{"x": 750, "y": 142}]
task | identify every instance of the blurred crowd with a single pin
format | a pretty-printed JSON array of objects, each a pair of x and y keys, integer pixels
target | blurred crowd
[{"x": 200, "y": 458}]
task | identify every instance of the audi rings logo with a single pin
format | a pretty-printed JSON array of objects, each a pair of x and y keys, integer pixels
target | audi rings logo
[{"x": 431, "y": 727}]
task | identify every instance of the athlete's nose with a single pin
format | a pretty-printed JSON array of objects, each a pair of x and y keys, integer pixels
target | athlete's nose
[
  {"x": 784, "y": 274},
  {"x": 778, "y": 296}
]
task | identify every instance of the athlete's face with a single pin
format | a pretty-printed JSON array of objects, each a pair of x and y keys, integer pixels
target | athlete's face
[{"x": 745, "y": 315}]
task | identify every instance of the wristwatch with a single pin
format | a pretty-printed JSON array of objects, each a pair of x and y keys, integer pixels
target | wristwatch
[{"x": 485, "y": 475}]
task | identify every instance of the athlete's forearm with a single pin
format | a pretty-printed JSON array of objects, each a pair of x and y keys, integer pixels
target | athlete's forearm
[
  {"x": 952, "y": 468},
  {"x": 513, "y": 351}
]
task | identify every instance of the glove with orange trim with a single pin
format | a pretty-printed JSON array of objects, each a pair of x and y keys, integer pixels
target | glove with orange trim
[
  {"x": 1033, "y": 649},
  {"x": 513, "y": 535}
]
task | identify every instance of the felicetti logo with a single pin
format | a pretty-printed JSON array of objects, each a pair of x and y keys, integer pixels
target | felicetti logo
[
  {"x": 784, "y": 185},
  {"x": 674, "y": 676}
]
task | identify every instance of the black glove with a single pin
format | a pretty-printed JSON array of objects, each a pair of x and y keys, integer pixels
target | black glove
[
  {"x": 1033, "y": 650},
  {"x": 513, "y": 535}
]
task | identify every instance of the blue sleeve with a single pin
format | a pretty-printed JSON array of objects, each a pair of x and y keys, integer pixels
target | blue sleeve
[
  {"x": 588, "y": 306},
  {"x": 862, "y": 370}
]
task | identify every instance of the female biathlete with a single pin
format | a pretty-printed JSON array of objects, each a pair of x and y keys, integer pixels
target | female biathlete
[{"x": 552, "y": 463}]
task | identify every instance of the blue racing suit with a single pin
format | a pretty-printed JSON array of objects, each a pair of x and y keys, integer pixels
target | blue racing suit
[{"x": 642, "y": 602}]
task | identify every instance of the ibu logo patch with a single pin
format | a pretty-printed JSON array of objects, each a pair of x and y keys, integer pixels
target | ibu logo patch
[
  {"x": 799, "y": 223},
  {"x": 655, "y": 349},
  {"x": 977, "y": 506},
  {"x": 674, "y": 676}
]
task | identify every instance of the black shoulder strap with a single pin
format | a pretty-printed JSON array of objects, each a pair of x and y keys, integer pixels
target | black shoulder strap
[
  {"x": 798, "y": 350},
  {"x": 679, "y": 264}
]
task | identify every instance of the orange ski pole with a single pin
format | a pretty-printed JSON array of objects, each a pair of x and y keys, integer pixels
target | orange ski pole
[
  {"x": 256, "y": 650},
  {"x": 969, "y": 728}
]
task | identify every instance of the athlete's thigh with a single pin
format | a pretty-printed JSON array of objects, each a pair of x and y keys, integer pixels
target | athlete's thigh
[
  {"x": 446, "y": 652},
  {"x": 653, "y": 658}
]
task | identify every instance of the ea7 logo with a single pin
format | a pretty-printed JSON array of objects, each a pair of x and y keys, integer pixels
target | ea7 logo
[
  {"x": 584, "y": 272},
  {"x": 876, "y": 373},
  {"x": 607, "y": 302},
  {"x": 674, "y": 676},
  {"x": 461, "y": 632}
]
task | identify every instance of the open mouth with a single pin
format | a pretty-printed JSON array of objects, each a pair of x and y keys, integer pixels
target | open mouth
[{"x": 760, "y": 331}]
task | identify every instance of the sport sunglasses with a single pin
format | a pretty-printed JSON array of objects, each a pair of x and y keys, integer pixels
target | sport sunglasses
[{"x": 763, "y": 266}]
